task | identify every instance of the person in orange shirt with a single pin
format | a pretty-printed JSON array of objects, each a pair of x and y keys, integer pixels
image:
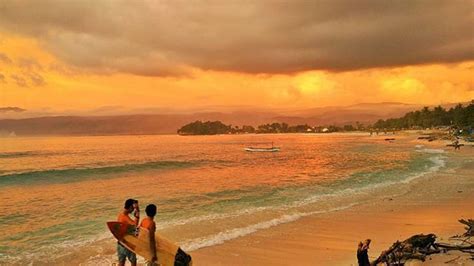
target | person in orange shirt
[
  {"x": 150, "y": 225},
  {"x": 123, "y": 253}
]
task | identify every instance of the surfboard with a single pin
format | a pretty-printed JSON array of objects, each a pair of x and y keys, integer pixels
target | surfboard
[{"x": 138, "y": 241}]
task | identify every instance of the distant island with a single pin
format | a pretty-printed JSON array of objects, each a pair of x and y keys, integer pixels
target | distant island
[
  {"x": 460, "y": 116},
  {"x": 217, "y": 127}
]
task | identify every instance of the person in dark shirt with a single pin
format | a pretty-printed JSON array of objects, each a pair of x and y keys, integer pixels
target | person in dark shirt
[{"x": 363, "y": 253}]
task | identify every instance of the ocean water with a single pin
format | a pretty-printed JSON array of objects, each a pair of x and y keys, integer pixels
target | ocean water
[{"x": 57, "y": 193}]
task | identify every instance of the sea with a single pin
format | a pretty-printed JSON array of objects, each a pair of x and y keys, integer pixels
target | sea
[{"x": 57, "y": 193}]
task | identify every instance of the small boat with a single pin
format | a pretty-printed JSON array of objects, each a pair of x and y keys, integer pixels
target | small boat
[
  {"x": 262, "y": 149},
  {"x": 272, "y": 149}
]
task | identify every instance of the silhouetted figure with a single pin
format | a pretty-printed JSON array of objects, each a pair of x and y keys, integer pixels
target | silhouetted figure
[
  {"x": 456, "y": 145},
  {"x": 363, "y": 253}
]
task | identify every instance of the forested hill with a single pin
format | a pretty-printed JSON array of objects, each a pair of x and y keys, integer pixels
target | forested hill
[{"x": 458, "y": 116}]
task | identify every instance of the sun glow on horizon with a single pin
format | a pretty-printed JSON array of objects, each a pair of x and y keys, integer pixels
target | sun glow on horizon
[{"x": 33, "y": 78}]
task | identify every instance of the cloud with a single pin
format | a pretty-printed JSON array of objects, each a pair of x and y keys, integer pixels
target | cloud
[
  {"x": 36, "y": 78},
  {"x": 19, "y": 80},
  {"x": 156, "y": 38},
  {"x": 29, "y": 64},
  {"x": 5, "y": 59},
  {"x": 24, "y": 71},
  {"x": 11, "y": 109}
]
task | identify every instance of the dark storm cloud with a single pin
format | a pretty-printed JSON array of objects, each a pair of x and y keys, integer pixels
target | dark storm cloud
[{"x": 159, "y": 38}]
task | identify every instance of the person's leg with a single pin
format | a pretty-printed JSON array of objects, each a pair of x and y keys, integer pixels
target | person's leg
[
  {"x": 132, "y": 258},
  {"x": 122, "y": 256}
]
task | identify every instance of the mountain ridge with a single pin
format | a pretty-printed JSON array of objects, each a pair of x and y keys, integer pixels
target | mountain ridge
[{"x": 134, "y": 124}]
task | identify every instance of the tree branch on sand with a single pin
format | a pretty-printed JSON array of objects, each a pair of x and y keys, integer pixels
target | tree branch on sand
[{"x": 420, "y": 246}]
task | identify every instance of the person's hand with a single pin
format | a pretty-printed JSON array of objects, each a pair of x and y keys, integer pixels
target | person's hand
[{"x": 136, "y": 209}]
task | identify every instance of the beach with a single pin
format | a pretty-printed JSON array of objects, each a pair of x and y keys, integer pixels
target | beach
[
  {"x": 309, "y": 204},
  {"x": 262, "y": 132},
  {"x": 431, "y": 204}
]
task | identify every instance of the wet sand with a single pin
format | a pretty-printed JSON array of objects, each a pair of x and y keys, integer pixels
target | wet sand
[{"x": 431, "y": 204}]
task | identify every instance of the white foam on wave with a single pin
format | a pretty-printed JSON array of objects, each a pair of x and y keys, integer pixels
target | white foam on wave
[
  {"x": 227, "y": 235},
  {"x": 100, "y": 260},
  {"x": 46, "y": 253},
  {"x": 434, "y": 151},
  {"x": 439, "y": 163},
  {"x": 215, "y": 216}
]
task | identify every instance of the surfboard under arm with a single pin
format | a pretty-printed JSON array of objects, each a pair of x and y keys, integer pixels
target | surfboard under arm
[{"x": 168, "y": 253}]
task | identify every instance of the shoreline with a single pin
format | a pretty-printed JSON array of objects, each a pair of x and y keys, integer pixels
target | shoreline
[
  {"x": 321, "y": 228},
  {"x": 431, "y": 204}
]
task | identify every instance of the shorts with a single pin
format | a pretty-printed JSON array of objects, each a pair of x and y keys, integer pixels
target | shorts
[{"x": 123, "y": 253}]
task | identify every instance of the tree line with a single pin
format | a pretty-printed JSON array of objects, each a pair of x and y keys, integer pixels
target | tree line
[
  {"x": 458, "y": 116},
  {"x": 217, "y": 127}
]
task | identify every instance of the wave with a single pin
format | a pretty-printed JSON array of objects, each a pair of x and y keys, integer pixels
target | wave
[
  {"x": 48, "y": 254},
  {"x": 233, "y": 233},
  {"x": 432, "y": 151},
  {"x": 437, "y": 162},
  {"x": 69, "y": 175},
  {"x": 20, "y": 154},
  {"x": 347, "y": 187},
  {"x": 222, "y": 237}
]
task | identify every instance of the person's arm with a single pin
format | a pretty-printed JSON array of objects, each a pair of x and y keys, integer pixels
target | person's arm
[
  {"x": 137, "y": 219},
  {"x": 152, "y": 241},
  {"x": 136, "y": 214}
]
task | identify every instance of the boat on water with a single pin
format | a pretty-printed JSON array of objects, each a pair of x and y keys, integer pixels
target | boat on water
[
  {"x": 263, "y": 149},
  {"x": 272, "y": 149}
]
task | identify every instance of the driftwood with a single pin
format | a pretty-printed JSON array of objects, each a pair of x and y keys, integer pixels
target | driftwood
[
  {"x": 469, "y": 227},
  {"x": 452, "y": 260},
  {"x": 420, "y": 246},
  {"x": 415, "y": 247}
]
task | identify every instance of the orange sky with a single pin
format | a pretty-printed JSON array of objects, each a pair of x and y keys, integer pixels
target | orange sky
[{"x": 38, "y": 72}]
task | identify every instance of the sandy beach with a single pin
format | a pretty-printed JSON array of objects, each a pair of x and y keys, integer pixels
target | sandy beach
[{"x": 431, "y": 204}]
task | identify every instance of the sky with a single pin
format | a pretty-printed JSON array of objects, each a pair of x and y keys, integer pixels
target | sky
[{"x": 75, "y": 55}]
